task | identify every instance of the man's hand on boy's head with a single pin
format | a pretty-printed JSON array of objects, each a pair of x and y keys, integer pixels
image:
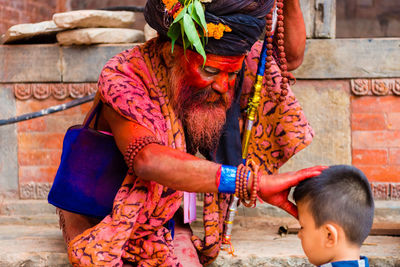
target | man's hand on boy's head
[{"x": 274, "y": 189}]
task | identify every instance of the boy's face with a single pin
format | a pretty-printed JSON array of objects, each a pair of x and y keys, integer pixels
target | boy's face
[{"x": 312, "y": 238}]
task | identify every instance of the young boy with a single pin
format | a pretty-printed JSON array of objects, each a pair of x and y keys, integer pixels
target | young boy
[{"x": 336, "y": 211}]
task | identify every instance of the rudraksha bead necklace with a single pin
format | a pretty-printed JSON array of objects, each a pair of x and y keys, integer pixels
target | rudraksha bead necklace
[{"x": 281, "y": 51}]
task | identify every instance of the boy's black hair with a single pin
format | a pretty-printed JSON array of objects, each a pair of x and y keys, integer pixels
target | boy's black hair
[{"x": 340, "y": 194}]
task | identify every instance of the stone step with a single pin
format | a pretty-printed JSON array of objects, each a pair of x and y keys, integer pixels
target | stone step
[
  {"x": 41, "y": 219},
  {"x": 30, "y": 236},
  {"x": 387, "y": 210},
  {"x": 38, "y": 246},
  {"x": 257, "y": 247},
  {"x": 384, "y": 210},
  {"x": 26, "y": 207}
]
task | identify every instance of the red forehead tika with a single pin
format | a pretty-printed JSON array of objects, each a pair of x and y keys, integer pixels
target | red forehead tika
[{"x": 225, "y": 64}]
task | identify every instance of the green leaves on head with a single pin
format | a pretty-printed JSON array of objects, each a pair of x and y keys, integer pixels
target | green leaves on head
[
  {"x": 190, "y": 24},
  {"x": 198, "y": 7},
  {"x": 192, "y": 35}
]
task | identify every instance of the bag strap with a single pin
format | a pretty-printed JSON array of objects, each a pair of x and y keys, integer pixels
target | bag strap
[{"x": 94, "y": 112}]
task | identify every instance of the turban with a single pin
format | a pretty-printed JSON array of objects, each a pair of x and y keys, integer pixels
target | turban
[{"x": 246, "y": 19}]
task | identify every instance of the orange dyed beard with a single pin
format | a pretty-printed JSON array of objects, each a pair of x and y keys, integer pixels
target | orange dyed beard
[{"x": 202, "y": 110}]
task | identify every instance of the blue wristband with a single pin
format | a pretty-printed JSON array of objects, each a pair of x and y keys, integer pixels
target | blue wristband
[{"x": 227, "y": 181}]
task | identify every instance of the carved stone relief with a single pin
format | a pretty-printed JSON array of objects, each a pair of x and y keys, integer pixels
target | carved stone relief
[
  {"x": 376, "y": 87},
  {"x": 59, "y": 91},
  {"x": 395, "y": 191},
  {"x": 34, "y": 190},
  {"x": 22, "y": 91},
  {"x": 27, "y": 191},
  {"x": 386, "y": 191},
  {"x": 360, "y": 87},
  {"x": 381, "y": 191},
  {"x": 42, "y": 190},
  {"x": 77, "y": 90},
  {"x": 41, "y": 91}
]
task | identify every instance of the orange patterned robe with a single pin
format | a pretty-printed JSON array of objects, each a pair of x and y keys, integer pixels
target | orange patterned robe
[{"x": 134, "y": 83}]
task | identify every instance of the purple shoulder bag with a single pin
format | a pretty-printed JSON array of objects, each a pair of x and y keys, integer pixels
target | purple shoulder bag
[{"x": 91, "y": 171}]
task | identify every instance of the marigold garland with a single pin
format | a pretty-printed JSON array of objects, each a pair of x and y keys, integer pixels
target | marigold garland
[
  {"x": 217, "y": 30},
  {"x": 190, "y": 24},
  {"x": 177, "y": 12},
  {"x": 169, "y": 4}
]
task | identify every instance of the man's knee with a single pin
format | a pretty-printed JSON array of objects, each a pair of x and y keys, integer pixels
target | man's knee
[{"x": 73, "y": 224}]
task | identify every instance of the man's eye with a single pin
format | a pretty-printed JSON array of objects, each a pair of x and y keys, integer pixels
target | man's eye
[
  {"x": 233, "y": 74},
  {"x": 211, "y": 71}
]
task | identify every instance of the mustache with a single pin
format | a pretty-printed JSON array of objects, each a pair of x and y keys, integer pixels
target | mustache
[{"x": 205, "y": 97}]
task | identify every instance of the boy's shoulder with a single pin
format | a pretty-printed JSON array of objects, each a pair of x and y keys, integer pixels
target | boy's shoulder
[{"x": 362, "y": 262}]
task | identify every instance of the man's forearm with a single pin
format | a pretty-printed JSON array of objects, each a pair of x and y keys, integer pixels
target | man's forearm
[{"x": 176, "y": 169}]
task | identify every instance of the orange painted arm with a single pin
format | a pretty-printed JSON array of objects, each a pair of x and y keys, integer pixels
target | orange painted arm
[{"x": 162, "y": 164}]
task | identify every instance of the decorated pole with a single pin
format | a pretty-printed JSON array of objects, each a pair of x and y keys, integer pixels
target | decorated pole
[{"x": 251, "y": 116}]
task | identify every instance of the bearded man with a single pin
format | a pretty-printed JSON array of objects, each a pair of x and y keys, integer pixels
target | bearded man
[{"x": 162, "y": 107}]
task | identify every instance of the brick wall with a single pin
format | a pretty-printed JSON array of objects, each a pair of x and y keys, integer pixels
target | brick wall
[
  {"x": 27, "y": 11},
  {"x": 376, "y": 136},
  {"x": 31, "y": 11},
  {"x": 40, "y": 139}
]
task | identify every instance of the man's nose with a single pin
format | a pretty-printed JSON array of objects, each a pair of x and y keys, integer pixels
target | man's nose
[{"x": 221, "y": 83}]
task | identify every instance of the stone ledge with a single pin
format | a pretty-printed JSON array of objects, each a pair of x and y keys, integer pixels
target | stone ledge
[
  {"x": 59, "y": 91},
  {"x": 43, "y": 246},
  {"x": 350, "y": 58},
  {"x": 84, "y": 63},
  {"x": 35, "y": 63},
  {"x": 54, "y": 63},
  {"x": 18, "y": 207},
  {"x": 375, "y": 87},
  {"x": 386, "y": 210},
  {"x": 38, "y": 241},
  {"x": 324, "y": 59},
  {"x": 23, "y": 245}
]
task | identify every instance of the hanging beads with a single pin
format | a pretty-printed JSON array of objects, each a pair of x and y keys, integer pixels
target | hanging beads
[{"x": 280, "y": 51}]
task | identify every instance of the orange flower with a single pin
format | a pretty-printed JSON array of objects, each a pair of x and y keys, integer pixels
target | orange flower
[
  {"x": 177, "y": 12},
  {"x": 169, "y": 4},
  {"x": 217, "y": 30}
]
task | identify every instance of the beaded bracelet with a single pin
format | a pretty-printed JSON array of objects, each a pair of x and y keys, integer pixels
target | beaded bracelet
[
  {"x": 135, "y": 146},
  {"x": 252, "y": 168}
]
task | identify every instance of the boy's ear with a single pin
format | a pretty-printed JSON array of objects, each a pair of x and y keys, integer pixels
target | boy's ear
[{"x": 331, "y": 234}]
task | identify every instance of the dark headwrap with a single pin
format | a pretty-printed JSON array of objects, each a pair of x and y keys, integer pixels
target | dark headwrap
[{"x": 246, "y": 18}]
